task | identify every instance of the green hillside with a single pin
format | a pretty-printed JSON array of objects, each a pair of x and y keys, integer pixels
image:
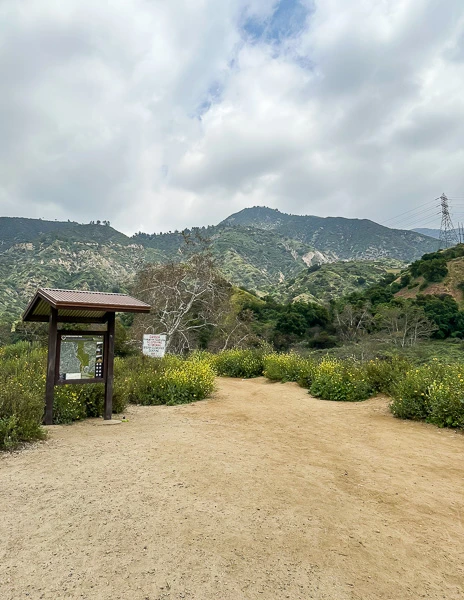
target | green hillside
[
  {"x": 438, "y": 273},
  {"x": 64, "y": 264},
  {"x": 330, "y": 281},
  {"x": 247, "y": 256}
]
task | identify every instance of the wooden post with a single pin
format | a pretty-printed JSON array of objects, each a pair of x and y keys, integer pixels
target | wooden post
[
  {"x": 109, "y": 369},
  {"x": 51, "y": 369}
]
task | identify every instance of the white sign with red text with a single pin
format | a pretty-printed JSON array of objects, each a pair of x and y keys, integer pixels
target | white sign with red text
[{"x": 154, "y": 345}]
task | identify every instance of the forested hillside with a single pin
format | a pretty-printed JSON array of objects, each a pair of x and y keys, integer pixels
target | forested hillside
[
  {"x": 260, "y": 249},
  {"x": 323, "y": 283}
]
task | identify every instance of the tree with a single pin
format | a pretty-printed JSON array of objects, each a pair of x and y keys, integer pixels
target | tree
[
  {"x": 443, "y": 310},
  {"x": 29, "y": 332},
  {"x": 353, "y": 322},
  {"x": 404, "y": 325},
  {"x": 233, "y": 330},
  {"x": 188, "y": 299},
  {"x": 297, "y": 321}
]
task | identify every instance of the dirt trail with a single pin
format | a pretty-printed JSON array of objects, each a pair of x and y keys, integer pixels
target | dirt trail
[{"x": 260, "y": 492}]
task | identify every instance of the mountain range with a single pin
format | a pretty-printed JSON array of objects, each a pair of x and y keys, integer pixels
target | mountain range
[{"x": 258, "y": 248}]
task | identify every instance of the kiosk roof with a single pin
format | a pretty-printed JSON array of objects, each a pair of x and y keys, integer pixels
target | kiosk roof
[{"x": 77, "y": 305}]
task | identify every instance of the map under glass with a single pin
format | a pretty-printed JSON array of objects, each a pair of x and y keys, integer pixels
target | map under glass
[{"x": 81, "y": 357}]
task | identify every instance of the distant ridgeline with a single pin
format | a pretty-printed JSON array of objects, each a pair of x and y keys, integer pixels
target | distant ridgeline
[{"x": 258, "y": 248}]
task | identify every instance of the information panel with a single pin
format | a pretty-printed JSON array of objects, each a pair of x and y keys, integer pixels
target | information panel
[
  {"x": 81, "y": 357},
  {"x": 154, "y": 345}
]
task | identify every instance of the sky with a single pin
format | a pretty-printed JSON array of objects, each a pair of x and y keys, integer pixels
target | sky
[{"x": 160, "y": 115}]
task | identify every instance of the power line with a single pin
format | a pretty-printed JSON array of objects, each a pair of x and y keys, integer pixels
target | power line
[
  {"x": 417, "y": 209},
  {"x": 430, "y": 222},
  {"x": 427, "y": 214},
  {"x": 435, "y": 218},
  {"x": 414, "y": 219}
]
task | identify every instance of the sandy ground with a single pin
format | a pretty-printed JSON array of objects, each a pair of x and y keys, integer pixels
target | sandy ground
[{"x": 260, "y": 492}]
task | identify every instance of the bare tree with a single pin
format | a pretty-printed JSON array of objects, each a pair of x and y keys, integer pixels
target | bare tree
[
  {"x": 233, "y": 330},
  {"x": 353, "y": 321},
  {"x": 29, "y": 332},
  {"x": 188, "y": 299},
  {"x": 404, "y": 325}
]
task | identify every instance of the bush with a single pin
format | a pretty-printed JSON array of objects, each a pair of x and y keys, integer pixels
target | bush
[
  {"x": 337, "y": 380},
  {"x": 136, "y": 378},
  {"x": 191, "y": 382},
  {"x": 384, "y": 373},
  {"x": 77, "y": 402},
  {"x": 405, "y": 279},
  {"x": 68, "y": 405},
  {"x": 170, "y": 380},
  {"x": 446, "y": 400},
  {"x": 239, "y": 363},
  {"x": 21, "y": 349},
  {"x": 22, "y": 388},
  {"x": 411, "y": 392},
  {"x": 9, "y": 432},
  {"x": 289, "y": 367}
]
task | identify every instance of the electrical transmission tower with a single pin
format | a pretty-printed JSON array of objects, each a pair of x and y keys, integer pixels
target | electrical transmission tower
[{"x": 448, "y": 236}]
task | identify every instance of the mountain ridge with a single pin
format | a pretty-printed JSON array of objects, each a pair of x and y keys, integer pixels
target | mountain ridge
[
  {"x": 36, "y": 252},
  {"x": 343, "y": 238}
]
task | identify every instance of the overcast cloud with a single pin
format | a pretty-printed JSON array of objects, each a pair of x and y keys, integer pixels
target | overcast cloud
[{"x": 158, "y": 115}]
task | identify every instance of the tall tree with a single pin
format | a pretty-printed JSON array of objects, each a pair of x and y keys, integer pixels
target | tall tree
[{"x": 189, "y": 300}]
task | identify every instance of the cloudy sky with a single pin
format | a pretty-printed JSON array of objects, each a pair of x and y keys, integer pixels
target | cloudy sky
[{"x": 161, "y": 114}]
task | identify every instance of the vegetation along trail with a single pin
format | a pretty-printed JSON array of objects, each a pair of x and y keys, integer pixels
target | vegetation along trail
[{"x": 259, "y": 492}]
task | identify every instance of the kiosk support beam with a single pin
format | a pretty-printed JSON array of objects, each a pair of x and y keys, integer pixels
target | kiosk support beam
[
  {"x": 108, "y": 409},
  {"x": 51, "y": 369}
]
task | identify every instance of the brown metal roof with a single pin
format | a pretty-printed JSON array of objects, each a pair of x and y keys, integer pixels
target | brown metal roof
[{"x": 80, "y": 305}]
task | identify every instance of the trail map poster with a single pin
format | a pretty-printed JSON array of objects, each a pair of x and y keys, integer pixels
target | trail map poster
[
  {"x": 81, "y": 357},
  {"x": 154, "y": 345}
]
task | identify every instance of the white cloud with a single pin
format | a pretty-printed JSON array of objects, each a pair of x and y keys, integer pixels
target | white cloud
[{"x": 161, "y": 115}]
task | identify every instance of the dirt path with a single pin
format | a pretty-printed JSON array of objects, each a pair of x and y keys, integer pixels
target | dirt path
[{"x": 261, "y": 492}]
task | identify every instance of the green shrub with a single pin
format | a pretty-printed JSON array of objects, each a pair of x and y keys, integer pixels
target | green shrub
[
  {"x": 21, "y": 349},
  {"x": 9, "y": 432},
  {"x": 202, "y": 356},
  {"x": 405, "y": 279},
  {"x": 289, "y": 367},
  {"x": 337, "y": 380},
  {"x": 446, "y": 399},
  {"x": 68, "y": 405},
  {"x": 384, "y": 373},
  {"x": 188, "y": 383},
  {"x": 22, "y": 388},
  {"x": 170, "y": 380},
  {"x": 136, "y": 379},
  {"x": 411, "y": 391},
  {"x": 239, "y": 363},
  {"x": 77, "y": 402}
]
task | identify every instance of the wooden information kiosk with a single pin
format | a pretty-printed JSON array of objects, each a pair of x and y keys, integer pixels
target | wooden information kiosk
[{"x": 76, "y": 356}]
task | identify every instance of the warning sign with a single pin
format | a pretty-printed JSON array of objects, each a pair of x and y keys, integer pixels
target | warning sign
[{"x": 154, "y": 345}]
